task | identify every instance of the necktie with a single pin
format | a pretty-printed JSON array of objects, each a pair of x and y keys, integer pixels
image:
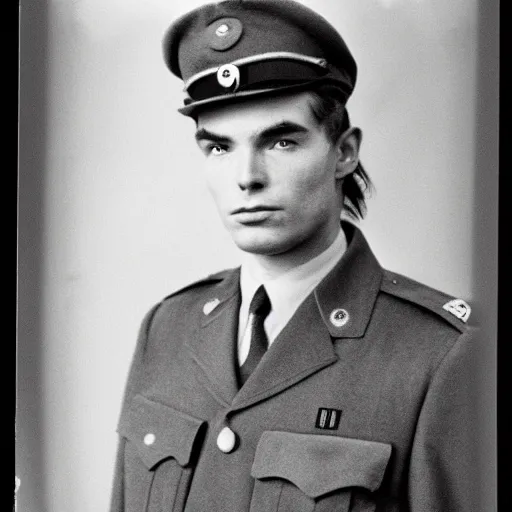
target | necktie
[{"x": 258, "y": 311}]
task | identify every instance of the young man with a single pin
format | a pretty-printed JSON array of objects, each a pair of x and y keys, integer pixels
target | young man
[{"x": 309, "y": 379}]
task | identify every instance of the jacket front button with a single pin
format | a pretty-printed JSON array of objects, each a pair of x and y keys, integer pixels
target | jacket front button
[
  {"x": 149, "y": 439},
  {"x": 226, "y": 440}
]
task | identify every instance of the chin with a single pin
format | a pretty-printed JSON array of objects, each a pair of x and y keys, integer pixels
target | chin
[{"x": 262, "y": 243}]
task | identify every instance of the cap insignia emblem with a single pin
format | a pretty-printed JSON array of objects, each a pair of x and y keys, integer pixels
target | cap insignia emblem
[
  {"x": 228, "y": 76},
  {"x": 224, "y": 33},
  {"x": 222, "y": 30},
  {"x": 459, "y": 308}
]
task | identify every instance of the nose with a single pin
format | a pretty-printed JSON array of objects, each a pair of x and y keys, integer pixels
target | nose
[{"x": 251, "y": 172}]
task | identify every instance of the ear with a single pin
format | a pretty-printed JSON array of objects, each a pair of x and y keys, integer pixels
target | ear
[{"x": 348, "y": 146}]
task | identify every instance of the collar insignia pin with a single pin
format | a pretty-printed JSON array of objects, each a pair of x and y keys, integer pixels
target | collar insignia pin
[
  {"x": 210, "y": 306},
  {"x": 339, "y": 317}
]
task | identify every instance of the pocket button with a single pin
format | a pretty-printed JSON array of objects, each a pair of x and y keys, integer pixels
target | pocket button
[{"x": 226, "y": 440}]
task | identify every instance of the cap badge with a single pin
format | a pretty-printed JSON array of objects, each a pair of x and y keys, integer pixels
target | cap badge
[
  {"x": 222, "y": 30},
  {"x": 224, "y": 33},
  {"x": 228, "y": 76},
  {"x": 339, "y": 317},
  {"x": 210, "y": 306},
  {"x": 459, "y": 308}
]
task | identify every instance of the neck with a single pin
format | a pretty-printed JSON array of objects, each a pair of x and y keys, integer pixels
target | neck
[{"x": 274, "y": 265}]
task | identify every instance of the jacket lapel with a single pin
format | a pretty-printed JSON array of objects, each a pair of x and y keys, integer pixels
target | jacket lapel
[
  {"x": 353, "y": 286},
  {"x": 305, "y": 346},
  {"x": 215, "y": 347},
  {"x": 301, "y": 349}
]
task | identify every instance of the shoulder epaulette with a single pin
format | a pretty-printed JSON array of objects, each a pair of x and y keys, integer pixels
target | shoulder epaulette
[
  {"x": 454, "y": 311},
  {"x": 210, "y": 279}
]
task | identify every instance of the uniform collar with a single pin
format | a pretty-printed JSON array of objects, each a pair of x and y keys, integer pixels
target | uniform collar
[
  {"x": 289, "y": 289},
  {"x": 352, "y": 286},
  {"x": 305, "y": 346}
]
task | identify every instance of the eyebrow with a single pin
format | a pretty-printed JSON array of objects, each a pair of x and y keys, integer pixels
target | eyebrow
[
  {"x": 279, "y": 129},
  {"x": 204, "y": 134}
]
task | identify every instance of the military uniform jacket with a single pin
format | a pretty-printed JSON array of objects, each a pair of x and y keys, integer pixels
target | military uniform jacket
[{"x": 364, "y": 409}]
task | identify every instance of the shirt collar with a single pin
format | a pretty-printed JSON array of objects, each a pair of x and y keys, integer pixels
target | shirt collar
[{"x": 287, "y": 290}]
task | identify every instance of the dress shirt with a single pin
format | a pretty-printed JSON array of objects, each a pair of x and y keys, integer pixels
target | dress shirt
[{"x": 286, "y": 291}]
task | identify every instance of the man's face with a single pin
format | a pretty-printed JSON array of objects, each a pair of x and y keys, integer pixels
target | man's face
[{"x": 273, "y": 173}]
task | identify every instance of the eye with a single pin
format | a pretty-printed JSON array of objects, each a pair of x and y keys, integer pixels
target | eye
[
  {"x": 216, "y": 150},
  {"x": 284, "y": 144}
]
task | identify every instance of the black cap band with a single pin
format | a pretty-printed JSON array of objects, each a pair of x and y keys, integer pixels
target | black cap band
[{"x": 258, "y": 75}]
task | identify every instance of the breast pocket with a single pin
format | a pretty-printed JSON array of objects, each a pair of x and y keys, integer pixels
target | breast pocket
[
  {"x": 160, "y": 443},
  {"x": 314, "y": 473}
]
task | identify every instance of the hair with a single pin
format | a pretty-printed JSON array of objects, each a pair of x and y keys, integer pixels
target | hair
[{"x": 329, "y": 109}]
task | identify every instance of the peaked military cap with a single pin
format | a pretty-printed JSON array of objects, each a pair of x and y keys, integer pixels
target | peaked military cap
[{"x": 235, "y": 49}]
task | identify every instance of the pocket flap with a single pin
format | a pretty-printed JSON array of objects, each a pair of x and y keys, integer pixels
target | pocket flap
[
  {"x": 320, "y": 464},
  {"x": 159, "y": 431}
]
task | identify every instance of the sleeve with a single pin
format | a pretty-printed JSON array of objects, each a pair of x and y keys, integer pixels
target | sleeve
[
  {"x": 443, "y": 472},
  {"x": 117, "y": 494}
]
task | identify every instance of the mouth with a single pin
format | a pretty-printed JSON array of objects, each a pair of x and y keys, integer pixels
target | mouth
[
  {"x": 254, "y": 214},
  {"x": 254, "y": 209}
]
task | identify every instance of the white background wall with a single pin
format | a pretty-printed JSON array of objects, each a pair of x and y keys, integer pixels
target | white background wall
[{"x": 114, "y": 214}]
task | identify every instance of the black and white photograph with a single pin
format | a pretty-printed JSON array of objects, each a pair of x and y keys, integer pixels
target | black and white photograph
[{"x": 257, "y": 255}]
